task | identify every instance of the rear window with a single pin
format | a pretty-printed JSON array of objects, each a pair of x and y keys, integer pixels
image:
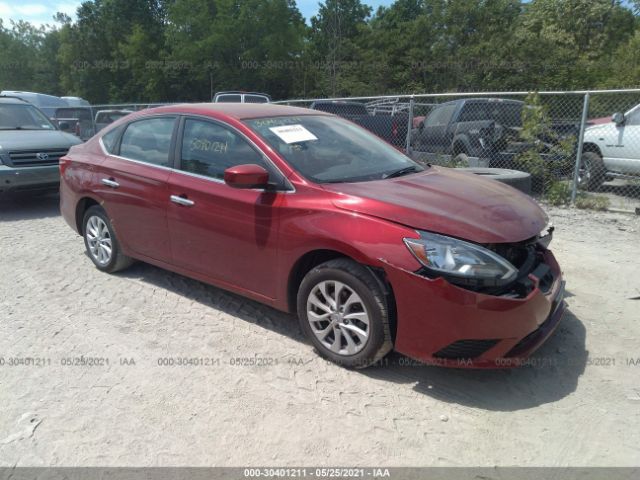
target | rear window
[
  {"x": 503, "y": 113},
  {"x": 229, "y": 99},
  {"x": 81, "y": 113},
  {"x": 255, "y": 99}
]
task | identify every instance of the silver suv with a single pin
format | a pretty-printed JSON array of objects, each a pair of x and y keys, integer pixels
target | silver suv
[{"x": 30, "y": 147}]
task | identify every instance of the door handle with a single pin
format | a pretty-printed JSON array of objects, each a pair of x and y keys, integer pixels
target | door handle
[
  {"x": 185, "y": 202},
  {"x": 109, "y": 182}
]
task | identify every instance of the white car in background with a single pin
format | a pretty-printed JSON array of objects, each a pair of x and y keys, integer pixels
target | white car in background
[{"x": 611, "y": 150}]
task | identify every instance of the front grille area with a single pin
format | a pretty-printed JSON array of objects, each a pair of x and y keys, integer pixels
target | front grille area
[
  {"x": 516, "y": 253},
  {"x": 36, "y": 158},
  {"x": 465, "y": 349}
]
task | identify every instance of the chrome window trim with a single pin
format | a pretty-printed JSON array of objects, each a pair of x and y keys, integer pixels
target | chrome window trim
[{"x": 203, "y": 177}]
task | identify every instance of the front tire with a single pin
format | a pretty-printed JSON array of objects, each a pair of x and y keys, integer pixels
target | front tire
[
  {"x": 100, "y": 240},
  {"x": 344, "y": 312},
  {"x": 592, "y": 172}
]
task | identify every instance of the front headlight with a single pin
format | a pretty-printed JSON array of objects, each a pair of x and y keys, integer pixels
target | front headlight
[{"x": 461, "y": 261}]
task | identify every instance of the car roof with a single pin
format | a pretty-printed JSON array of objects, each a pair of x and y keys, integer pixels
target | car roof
[
  {"x": 240, "y": 92},
  {"x": 10, "y": 99},
  {"x": 238, "y": 111}
]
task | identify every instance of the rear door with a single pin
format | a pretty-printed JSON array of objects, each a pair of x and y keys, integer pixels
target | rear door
[
  {"x": 227, "y": 234},
  {"x": 132, "y": 181}
]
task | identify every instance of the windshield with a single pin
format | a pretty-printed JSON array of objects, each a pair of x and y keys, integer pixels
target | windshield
[
  {"x": 23, "y": 117},
  {"x": 331, "y": 150}
]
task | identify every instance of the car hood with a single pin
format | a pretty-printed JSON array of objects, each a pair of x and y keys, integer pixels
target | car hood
[
  {"x": 449, "y": 202},
  {"x": 16, "y": 140}
]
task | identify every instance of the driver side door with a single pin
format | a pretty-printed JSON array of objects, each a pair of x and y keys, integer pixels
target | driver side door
[{"x": 228, "y": 235}]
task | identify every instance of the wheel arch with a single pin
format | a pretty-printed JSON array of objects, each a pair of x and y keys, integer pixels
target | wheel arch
[
  {"x": 81, "y": 207},
  {"x": 305, "y": 263},
  {"x": 460, "y": 144},
  {"x": 591, "y": 147}
]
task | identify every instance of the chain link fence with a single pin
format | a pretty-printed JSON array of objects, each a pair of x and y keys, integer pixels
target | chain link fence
[{"x": 579, "y": 148}]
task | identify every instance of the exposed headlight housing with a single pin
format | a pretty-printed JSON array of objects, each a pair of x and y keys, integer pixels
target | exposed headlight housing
[
  {"x": 546, "y": 235},
  {"x": 459, "y": 261}
]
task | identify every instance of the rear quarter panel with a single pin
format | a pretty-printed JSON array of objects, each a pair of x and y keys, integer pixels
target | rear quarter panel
[{"x": 77, "y": 180}]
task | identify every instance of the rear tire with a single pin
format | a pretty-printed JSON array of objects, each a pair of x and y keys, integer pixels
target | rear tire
[
  {"x": 101, "y": 242},
  {"x": 344, "y": 313},
  {"x": 592, "y": 172}
]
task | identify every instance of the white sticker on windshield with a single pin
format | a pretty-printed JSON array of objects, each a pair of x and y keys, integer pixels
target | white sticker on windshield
[{"x": 293, "y": 133}]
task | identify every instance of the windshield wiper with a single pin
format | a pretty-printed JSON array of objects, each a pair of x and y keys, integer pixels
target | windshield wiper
[
  {"x": 404, "y": 171},
  {"x": 17, "y": 127}
]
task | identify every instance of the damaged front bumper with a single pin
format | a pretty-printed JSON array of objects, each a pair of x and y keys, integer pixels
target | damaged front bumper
[{"x": 443, "y": 324}]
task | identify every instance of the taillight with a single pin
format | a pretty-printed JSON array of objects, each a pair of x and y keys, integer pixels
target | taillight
[{"x": 62, "y": 164}]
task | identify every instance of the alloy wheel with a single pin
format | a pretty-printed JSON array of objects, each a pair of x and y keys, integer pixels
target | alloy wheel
[
  {"x": 99, "y": 240},
  {"x": 338, "y": 317}
]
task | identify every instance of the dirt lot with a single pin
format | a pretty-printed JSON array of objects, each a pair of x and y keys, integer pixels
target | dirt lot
[{"x": 578, "y": 404}]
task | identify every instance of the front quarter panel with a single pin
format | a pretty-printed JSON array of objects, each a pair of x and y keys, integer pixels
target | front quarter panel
[{"x": 310, "y": 222}]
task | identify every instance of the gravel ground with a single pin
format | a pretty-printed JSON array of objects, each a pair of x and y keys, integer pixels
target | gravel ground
[{"x": 577, "y": 404}]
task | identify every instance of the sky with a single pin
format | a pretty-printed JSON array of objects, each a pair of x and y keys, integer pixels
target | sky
[{"x": 41, "y": 12}]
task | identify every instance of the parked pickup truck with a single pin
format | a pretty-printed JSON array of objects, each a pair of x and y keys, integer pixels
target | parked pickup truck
[
  {"x": 487, "y": 128},
  {"x": 611, "y": 150},
  {"x": 392, "y": 128},
  {"x": 107, "y": 117},
  {"x": 75, "y": 120}
]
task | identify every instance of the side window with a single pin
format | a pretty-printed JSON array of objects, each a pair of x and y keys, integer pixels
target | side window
[
  {"x": 148, "y": 140},
  {"x": 447, "y": 113},
  {"x": 110, "y": 139},
  {"x": 473, "y": 112},
  {"x": 633, "y": 118},
  {"x": 209, "y": 149},
  {"x": 440, "y": 116}
]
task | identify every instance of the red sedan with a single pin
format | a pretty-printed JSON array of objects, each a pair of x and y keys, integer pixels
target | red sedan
[{"x": 309, "y": 213}]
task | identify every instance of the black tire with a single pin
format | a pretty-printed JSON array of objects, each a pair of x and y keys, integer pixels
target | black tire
[
  {"x": 515, "y": 178},
  {"x": 592, "y": 172},
  {"x": 362, "y": 282},
  {"x": 117, "y": 260}
]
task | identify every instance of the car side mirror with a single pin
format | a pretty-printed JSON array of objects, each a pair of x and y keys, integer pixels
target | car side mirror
[
  {"x": 618, "y": 118},
  {"x": 64, "y": 126},
  {"x": 246, "y": 176}
]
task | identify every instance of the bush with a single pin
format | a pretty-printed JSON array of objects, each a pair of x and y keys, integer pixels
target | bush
[
  {"x": 592, "y": 202},
  {"x": 536, "y": 126},
  {"x": 559, "y": 193}
]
